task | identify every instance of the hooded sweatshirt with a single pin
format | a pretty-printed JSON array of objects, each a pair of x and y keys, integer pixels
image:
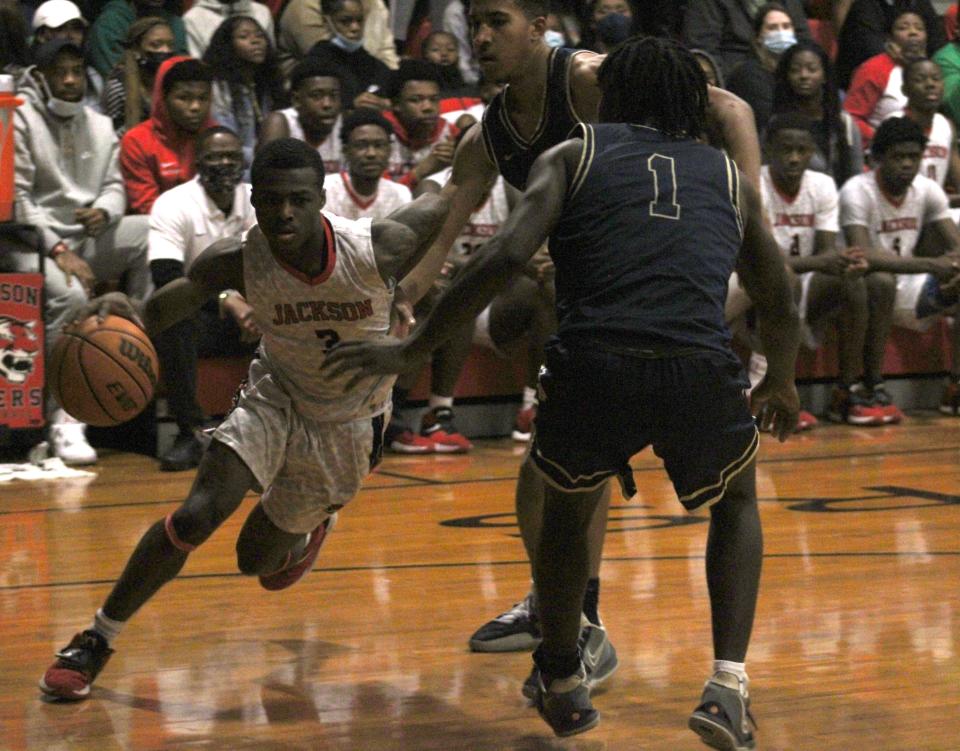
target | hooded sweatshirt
[
  {"x": 105, "y": 44},
  {"x": 206, "y": 15},
  {"x": 63, "y": 164},
  {"x": 156, "y": 155}
]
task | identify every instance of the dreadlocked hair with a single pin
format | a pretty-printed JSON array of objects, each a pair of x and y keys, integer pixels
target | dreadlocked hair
[{"x": 657, "y": 82}]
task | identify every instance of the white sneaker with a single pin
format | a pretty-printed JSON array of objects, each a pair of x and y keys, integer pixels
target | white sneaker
[{"x": 68, "y": 439}]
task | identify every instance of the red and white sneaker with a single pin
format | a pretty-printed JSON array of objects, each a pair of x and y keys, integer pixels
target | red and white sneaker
[
  {"x": 889, "y": 411},
  {"x": 806, "y": 421},
  {"x": 854, "y": 406},
  {"x": 77, "y": 665},
  {"x": 950, "y": 401},
  {"x": 397, "y": 438},
  {"x": 523, "y": 424},
  {"x": 292, "y": 571},
  {"x": 437, "y": 426}
]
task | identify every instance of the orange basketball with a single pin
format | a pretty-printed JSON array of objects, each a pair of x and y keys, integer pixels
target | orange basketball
[{"x": 103, "y": 373}]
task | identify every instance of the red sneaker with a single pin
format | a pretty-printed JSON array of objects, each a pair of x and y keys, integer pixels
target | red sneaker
[
  {"x": 854, "y": 407},
  {"x": 407, "y": 442},
  {"x": 523, "y": 424},
  {"x": 77, "y": 665},
  {"x": 889, "y": 411},
  {"x": 806, "y": 421},
  {"x": 437, "y": 427},
  {"x": 292, "y": 571}
]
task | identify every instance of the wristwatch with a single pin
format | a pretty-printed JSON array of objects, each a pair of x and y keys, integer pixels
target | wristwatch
[{"x": 222, "y": 300}]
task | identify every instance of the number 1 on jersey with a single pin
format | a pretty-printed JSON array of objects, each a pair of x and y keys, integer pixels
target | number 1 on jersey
[{"x": 665, "y": 184}]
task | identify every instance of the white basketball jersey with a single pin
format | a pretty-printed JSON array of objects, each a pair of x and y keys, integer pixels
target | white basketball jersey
[
  {"x": 936, "y": 156},
  {"x": 344, "y": 201},
  {"x": 893, "y": 226},
  {"x": 301, "y": 318},
  {"x": 797, "y": 220},
  {"x": 329, "y": 150},
  {"x": 484, "y": 222}
]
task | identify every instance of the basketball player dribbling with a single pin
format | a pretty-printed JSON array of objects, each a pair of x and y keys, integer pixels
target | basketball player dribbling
[
  {"x": 646, "y": 224},
  {"x": 548, "y": 91},
  {"x": 293, "y": 434}
]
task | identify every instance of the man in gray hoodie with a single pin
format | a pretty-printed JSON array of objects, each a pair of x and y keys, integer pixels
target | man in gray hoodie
[
  {"x": 68, "y": 185},
  {"x": 206, "y": 15}
]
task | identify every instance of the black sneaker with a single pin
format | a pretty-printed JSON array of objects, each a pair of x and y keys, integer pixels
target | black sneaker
[
  {"x": 517, "y": 630},
  {"x": 184, "y": 454},
  {"x": 723, "y": 720},
  {"x": 565, "y": 705},
  {"x": 77, "y": 665},
  {"x": 599, "y": 659}
]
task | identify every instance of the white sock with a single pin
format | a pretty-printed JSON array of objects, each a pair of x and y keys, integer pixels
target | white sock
[
  {"x": 108, "y": 628},
  {"x": 737, "y": 669},
  {"x": 529, "y": 397},
  {"x": 440, "y": 401}
]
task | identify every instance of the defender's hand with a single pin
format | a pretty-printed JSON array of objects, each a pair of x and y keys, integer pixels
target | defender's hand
[
  {"x": 777, "y": 407},
  {"x": 110, "y": 304},
  {"x": 389, "y": 357}
]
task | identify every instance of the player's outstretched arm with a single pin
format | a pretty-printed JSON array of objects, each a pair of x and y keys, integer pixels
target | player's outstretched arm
[
  {"x": 473, "y": 173},
  {"x": 733, "y": 119},
  {"x": 217, "y": 268},
  {"x": 401, "y": 239},
  {"x": 488, "y": 271},
  {"x": 763, "y": 274}
]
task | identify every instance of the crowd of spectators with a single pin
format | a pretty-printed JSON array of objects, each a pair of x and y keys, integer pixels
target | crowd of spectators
[{"x": 141, "y": 119}]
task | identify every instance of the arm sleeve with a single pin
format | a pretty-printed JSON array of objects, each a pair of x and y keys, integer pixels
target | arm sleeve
[
  {"x": 865, "y": 91},
  {"x": 28, "y": 211},
  {"x": 170, "y": 230},
  {"x": 138, "y": 178},
  {"x": 113, "y": 196}
]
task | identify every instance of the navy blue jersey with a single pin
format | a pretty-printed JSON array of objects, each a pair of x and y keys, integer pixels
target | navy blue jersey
[
  {"x": 648, "y": 237},
  {"x": 513, "y": 155}
]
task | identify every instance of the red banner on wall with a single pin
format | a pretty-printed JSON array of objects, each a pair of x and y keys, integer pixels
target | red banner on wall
[{"x": 21, "y": 350}]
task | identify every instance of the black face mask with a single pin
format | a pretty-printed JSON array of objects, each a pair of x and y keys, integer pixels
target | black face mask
[
  {"x": 149, "y": 62},
  {"x": 220, "y": 178}
]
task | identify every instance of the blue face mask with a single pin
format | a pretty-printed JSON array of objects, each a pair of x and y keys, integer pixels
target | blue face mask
[
  {"x": 346, "y": 44},
  {"x": 553, "y": 38},
  {"x": 779, "y": 41}
]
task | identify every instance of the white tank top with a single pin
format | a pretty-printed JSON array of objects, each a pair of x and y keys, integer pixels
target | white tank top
[
  {"x": 484, "y": 222},
  {"x": 796, "y": 221},
  {"x": 344, "y": 201},
  {"x": 302, "y": 317},
  {"x": 330, "y": 149}
]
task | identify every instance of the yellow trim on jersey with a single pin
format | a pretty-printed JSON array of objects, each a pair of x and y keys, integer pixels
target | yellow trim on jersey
[
  {"x": 733, "y": 186},
  {"x": 586, "y": 157},
  {"x": 717, "y": 489}
]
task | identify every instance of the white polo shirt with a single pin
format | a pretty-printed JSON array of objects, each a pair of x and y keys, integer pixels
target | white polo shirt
[{"x": 184, "y": 222}]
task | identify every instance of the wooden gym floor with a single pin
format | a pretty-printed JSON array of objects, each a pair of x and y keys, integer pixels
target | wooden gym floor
[{"x": 857, "y": 642}]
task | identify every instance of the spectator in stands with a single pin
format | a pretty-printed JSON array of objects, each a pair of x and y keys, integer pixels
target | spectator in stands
[
  {"x": 364, "y": 79},
  {"x": 923, "y": 87},
  {"x": 455, "y": 23},
  {"x": 56, "y": 19},
  {"x": 802, "y": 208},
  {"x": 424, "y": 141},
  {"x": 109, "y": 30},
  {"x": 304, "y": 23},
  {"x": 14, "y": 50},
  {"x": 247, "y": 82},
  {"x": 866, "y": 28},
  {"x": 710, "y": 68},
  {"x": 315, "y": 114},
  {"x": 185, "y": 220},
  {"x": 361, "y": 190},
  {"x": 597, "y": 11},
  {"x": 68, "y": 186},
  {"x": 440, "y": 48},
  {"x": 948, "y": 58},
  {"x": 805, "y": 85},
  {"x": 884, "y": 213},
  {"x": 876, "y": 90},
  {"x": 753, "y": 80},
  {"x": 158, "y": 154},
  {"x": 128, "y": 90},
  {"x": 724, "y": 28},
  {"x": 206, "y": 16}
]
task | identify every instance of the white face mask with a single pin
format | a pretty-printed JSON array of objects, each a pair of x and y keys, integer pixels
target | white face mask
[
  {"x": 779, "y": 41},
  {"x": 59, "y": 107},
  {"x": 347, "y": 44},
  {"x": 553, "y": 38}
]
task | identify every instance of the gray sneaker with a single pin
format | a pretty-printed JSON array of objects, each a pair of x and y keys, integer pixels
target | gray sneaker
[
  {"x": 517, "y": 630},
  {"x": 565, "y": 705},
  {"x": 599, "y": 658},
  {"x": 723, "y": 719}
]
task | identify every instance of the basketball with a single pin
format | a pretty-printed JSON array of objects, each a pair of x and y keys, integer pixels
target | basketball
[{"x": 103, "y": 373}]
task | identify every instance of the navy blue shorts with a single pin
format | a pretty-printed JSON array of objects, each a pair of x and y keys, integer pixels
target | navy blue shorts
[{"x": 599, "y": 407}]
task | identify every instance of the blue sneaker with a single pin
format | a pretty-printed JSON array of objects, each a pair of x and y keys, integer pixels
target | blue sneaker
[{"x": 723, "y": 720}]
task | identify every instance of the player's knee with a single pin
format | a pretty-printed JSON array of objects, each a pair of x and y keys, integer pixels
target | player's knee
[{"x": 192, "y": 524}]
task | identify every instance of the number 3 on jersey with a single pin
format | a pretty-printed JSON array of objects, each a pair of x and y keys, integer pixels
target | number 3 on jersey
[{"x": 329, "y": 337}]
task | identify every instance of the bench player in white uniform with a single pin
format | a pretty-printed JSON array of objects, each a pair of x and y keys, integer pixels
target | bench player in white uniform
[
  {"x": 923, "y": 87},
  {"x": 295, "y": 434},
  {"x": 884, "y": 213},
  {"x": 315, "y": 115},
  {"x": 359, "y": 190}
]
